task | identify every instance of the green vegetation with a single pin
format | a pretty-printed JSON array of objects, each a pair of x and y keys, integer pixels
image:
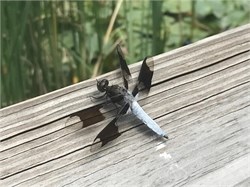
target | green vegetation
[{"x": 46, "y": 45}]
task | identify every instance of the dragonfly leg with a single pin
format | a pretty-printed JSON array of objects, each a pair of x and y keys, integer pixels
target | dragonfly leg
[{"x": 100, "y": 97}]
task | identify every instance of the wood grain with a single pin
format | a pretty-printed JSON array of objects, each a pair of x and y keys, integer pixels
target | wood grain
[{"x": 200, "y": 97}]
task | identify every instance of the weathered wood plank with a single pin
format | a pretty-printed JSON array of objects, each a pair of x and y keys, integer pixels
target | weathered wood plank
[
  {"x": 200, "y": 96},
  {"x": 65, "y": 101},
  {"x": 182, "y": 80}
]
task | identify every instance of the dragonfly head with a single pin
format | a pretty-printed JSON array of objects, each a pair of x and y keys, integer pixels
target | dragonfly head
[{"x": 102, "y": 85}]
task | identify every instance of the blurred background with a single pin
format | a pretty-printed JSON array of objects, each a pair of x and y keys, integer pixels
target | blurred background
[{"x": 47, "y": 45}]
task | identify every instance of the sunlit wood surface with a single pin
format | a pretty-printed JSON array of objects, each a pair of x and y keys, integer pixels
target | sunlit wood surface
[{"x": 200, "y": 97}]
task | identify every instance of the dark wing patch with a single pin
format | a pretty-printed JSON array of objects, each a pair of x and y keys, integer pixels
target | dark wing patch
[
  {"x": 124, "y": 67},
  {"x": 145, "y": 77},
  {"x": 110, "y": 132},
  {"x": 88, "y": 116}
]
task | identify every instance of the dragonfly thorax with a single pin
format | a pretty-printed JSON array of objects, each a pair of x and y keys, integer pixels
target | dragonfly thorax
[{"x": 102, "y": 85}]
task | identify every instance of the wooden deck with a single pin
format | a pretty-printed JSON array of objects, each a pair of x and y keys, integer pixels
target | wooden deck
[{"x": 200, "y": 96}]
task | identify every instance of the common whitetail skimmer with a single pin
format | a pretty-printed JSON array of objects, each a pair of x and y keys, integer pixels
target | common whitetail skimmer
[{"x": 119, "y": 95}]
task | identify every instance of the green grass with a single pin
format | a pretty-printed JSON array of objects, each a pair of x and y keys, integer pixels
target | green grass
[{"x": 47, "y": 45}]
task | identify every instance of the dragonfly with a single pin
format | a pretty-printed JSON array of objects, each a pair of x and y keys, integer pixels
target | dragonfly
[{"x": 125, "y": 100}]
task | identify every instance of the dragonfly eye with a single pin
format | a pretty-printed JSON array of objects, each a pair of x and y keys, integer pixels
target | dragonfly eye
[{"x": 102, "y": 85}]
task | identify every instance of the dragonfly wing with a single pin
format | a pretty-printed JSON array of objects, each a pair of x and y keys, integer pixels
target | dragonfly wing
[
  {"x": 126, "y": 75},
  {"x": 110, "y": 132},
  {"x": 144, "y": 117},
  {"x": 145, "y": 77}
]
